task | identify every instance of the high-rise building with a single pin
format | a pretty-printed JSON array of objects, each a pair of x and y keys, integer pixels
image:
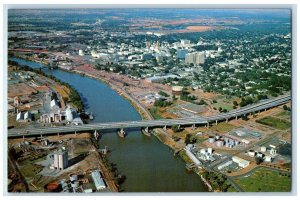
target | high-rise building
[
  {"x": 181, "y": 53},
  {"x": 80, "y": 52},
  {"x": 195, "y": 58}
]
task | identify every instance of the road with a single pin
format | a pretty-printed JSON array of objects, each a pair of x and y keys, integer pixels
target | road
[{"x": 270, "y": 103}]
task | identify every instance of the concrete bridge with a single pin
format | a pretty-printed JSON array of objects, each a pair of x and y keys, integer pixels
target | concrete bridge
[{"x": 191, "y": 121}]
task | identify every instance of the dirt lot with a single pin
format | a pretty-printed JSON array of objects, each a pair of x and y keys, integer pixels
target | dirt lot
[{"x": 20, "y": 89}]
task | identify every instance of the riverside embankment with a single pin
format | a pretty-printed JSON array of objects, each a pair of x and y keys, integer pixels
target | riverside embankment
[{"x": 149, "y": 166}]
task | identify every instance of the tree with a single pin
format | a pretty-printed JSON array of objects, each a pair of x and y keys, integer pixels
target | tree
[
  {"x": 187, "y": 138},
  {"x": 235, "y": 103},
  {"x": 175, "y": 128}
]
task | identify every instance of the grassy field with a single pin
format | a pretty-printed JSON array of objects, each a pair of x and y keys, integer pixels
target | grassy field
[
  {"x": 223, "y": 127},
  {"x": 275, "y": 122},
  {"x": 264, "y": 180},
  {"x": 284, "y": 115},
  {"x": 185, "y": 157},
  {"x": 154, "y": 113},
  {"x": 30, "y": 170}
]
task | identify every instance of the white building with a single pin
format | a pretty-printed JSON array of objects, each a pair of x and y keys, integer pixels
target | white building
[
  {"x": 54, "y": 105},
  {"x": 69, "y": 114},
  {"x": 60, "y": 159},
  {"x": 98, "y": 181},
  {"x": 241, "y": 162},
  {"x": 185, "y": 42},
  {"x": 80, "y": 52}
]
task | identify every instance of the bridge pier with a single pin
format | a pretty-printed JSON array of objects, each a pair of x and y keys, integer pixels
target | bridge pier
[
  {"x": 207, "y": 125},
  {"x": 41, "y": 136},
  {"x": 216, "y": 122},
  {"x": 178, "y": 127},
  {"x": 194, "y": 127},
  {"x": 236, "y": 117},
  {"x": 75, "y": 133},
  {"x": 96, "y": 134},
  {"x": 57, "y": 134},
  {"x": 165, "y": 128},
  {"x": 23, "y": 137},
  {"x": 147, "y": 129},
  {"x": 226, "y": 120}
]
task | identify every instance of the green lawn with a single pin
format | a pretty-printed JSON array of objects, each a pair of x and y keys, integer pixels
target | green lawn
[
  {"x": 30, "y": 170},
  {"x": 265, "y": 180},
  {"x": 274, "y": 122},
  {"x": 154, "y": 113}
]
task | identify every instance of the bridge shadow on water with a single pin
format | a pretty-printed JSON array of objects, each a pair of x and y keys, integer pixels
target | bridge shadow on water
[{"x": 114, "y": 131}]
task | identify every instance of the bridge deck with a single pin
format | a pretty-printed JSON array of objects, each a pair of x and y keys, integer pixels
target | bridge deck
[{"x": 152, "y": 123}]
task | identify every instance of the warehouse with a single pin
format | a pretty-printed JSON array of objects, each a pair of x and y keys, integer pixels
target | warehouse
[{"x": 241, "y": 162}]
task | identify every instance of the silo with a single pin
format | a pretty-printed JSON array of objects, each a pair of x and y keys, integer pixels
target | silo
[
  {"x": 268, "y": 158},
  {"x": 69, "y": 114},
  {"x": 263, "y": 149},
  {"x": 251, "y": 153},
  {"x": 209, "y": 150},
  {"x": 217, "y": 137},
  {"x": 220, "y": 143},
  {"x": 227, "y": 144},
  {"x": 226, "y": 139},
  {"x": 211, "y": 139},
  {"x": 202, "y": 151},
  {"x": 237, "y": 142},
  {"x": 259, "y": 154}
]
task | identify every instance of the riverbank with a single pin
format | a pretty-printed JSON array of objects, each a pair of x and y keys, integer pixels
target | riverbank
[
  {"x": 108, "y": 105},
  {"x": 159, "y": 133},
  {"x": 145, "y": 114}
]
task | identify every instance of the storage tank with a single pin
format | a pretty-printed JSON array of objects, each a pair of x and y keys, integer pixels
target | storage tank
[
  {"x": 220, "y": 143},
  {"x": 209, "y": 150},
  {"x": 226, "y": 139},
  {"x": 52, "y": 187},
  {"x": 73, "y": 177},
  {"x": 237, "y": 142},
  {"x": 217, "y": 137},
  {"x": 202, "y": 151},
  {"x": 211, "y": 139},
  {"x": 251, "y": 153},
  {"x": 268, "y": 158},
  {"x": 226, "y": 144},
  {"x": 259, "y": 154},
  {"x": 75, "y": 184},
  {"x": 263, "y": 149}
]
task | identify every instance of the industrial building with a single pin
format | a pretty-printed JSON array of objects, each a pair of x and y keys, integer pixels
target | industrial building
[
  {"x": 191, "y": 155},
  {"x": 241, "y": 162},
  {"x": 223, "y": 165},
  {"x": 24, "y": 117},
  {"x": 60, "y": 159},
  {"x": 99, "y": 183}
]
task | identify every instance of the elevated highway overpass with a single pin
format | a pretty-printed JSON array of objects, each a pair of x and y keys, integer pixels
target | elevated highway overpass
[{"x": 193, "y": 121}]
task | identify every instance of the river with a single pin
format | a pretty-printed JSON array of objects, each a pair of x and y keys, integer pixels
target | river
[{"x": 149, "y": 165}]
